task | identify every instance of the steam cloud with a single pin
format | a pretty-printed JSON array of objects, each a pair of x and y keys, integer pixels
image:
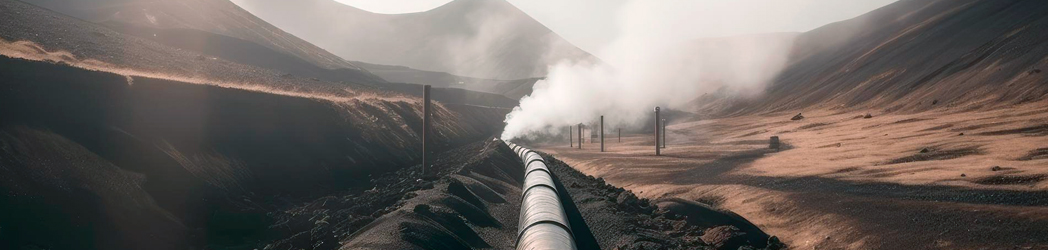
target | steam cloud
[{"x": 649, "y": 64}]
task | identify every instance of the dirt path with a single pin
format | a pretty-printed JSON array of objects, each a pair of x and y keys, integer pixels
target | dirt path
[{"x": 853, "y": 195}]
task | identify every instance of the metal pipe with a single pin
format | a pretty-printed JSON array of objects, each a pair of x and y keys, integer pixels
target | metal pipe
[
  {"x": 657, "y": 147},
  {"x": 543, "y": 223}
]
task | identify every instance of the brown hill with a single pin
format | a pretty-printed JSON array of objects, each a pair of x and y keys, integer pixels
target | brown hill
[
  {"x": 913, "y": 55},
  {"x": 513, "y": 89},
  {"x": 112, "y": 141},
  {"x": 213, "y": 16},
  {"x": 474, "y": 38}
]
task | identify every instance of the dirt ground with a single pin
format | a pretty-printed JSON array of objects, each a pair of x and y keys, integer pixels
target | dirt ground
[{"x": 842, "y": 181}]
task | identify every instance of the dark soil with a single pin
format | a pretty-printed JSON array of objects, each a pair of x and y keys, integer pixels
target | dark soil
[
  {"x": 1038, "y": 130},
  {"x": 911, "y": 120},
  {"x": 1011, "y": 180},
  {"x": 813, "y": 125},
  {"x": 618, "y": 219},
  {"x": 936, "y": 155},
  {"x": 1040, "y": 153},
  {"x": 940, "y": 127}
]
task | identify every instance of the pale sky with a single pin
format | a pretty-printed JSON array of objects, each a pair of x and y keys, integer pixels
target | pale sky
[{"x": 589, "y": 24}]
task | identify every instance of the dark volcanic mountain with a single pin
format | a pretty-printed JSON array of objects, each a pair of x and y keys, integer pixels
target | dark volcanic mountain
[
  {"x": 477, "y": 38},
  {"x": 915, "y": 55}
]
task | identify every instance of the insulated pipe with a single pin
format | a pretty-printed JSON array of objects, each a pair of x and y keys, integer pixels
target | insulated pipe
[{"x": 543, "y": 224}]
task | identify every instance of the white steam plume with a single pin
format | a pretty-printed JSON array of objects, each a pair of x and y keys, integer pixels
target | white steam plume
[{"x": 649, "y": 64}]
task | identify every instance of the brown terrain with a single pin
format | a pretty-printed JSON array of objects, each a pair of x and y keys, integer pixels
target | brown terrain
[
  {"x": 845, "y": 182},
  {"x": 925, "y": 126},
  {"x": 194, "y": 125}
]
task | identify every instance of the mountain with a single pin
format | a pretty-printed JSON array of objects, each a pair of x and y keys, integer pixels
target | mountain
[
  {"x": 512, "y": 89},
  {"x": 913, "y": 55},
  {"x": 217, "y": 40},
  {"x": 219, "y": 17},
  {"x": 488, "y": 39}
]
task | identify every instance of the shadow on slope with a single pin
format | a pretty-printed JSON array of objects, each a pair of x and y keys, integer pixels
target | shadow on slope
[{"x": 94, "y": 160}]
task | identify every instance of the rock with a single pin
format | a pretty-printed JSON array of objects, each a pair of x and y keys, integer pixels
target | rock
[
  {"x": 774, "y": 143},
  {"x": 797, "y": 117},
  {"x": 960, "y": 134},
  {"x": 627, "y": 198},
  {"x": 422, "y": 209},
  {"x": 925, "y": 150},
  {"x": 964, "y": 175},
  {"x": 996, "y": 168},
  {"x": 868, "y": 116},
  {"x": 935, "y": 102},
  {"x": 774, "y": 243},
  {"x": 724, "y": 237}
]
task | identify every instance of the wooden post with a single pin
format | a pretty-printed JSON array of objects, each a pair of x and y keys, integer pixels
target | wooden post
[
  {"x": 620, "y": 134},
  {"x": 426, "y": 117},
  {"x": 580, "y": 135},
  {"x": 658, "y": 150},
  {"x": 571, "y": 141},
  {"x": 602, "y": 133}
]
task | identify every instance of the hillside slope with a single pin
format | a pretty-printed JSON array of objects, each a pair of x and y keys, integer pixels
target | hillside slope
[
  {"x": 473, "y": 38},
  {"x": 512, "y": 89},
  {"x": 112, "y": 141},
  {"x": 913, "y": 55},
  {"x": 213, "y": 16}
]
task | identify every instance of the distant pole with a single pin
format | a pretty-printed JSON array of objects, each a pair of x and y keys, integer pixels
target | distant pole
[
  {"x": 658, "y": 151},
  {"x": 663, "y": 133},
  {"x": 602, "y": 133},
  {"x": 571, "y": 141},
  {"x": 620, "y": 134},
  {"x": 580, "y": 135},
  {"x": 426, "y": 117}
]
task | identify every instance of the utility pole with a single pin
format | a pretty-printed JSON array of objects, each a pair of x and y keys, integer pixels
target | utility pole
[
  {"x": 663, "y": 133},
  {"x": 571, "y": 141},
  {"x": 602, "y": 133},
  {"x": 426, "y": 117},
  {"x": 580, "y": 135},
  {"x": 658, "y": 150}
]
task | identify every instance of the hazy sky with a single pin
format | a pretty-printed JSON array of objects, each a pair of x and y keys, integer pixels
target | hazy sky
[{"x": 589, "y": 23}]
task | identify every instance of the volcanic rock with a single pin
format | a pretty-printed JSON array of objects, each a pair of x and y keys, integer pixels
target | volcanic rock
[
  {"x": 797, "y": 117},
  {"x": 724, "y": 237}
]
